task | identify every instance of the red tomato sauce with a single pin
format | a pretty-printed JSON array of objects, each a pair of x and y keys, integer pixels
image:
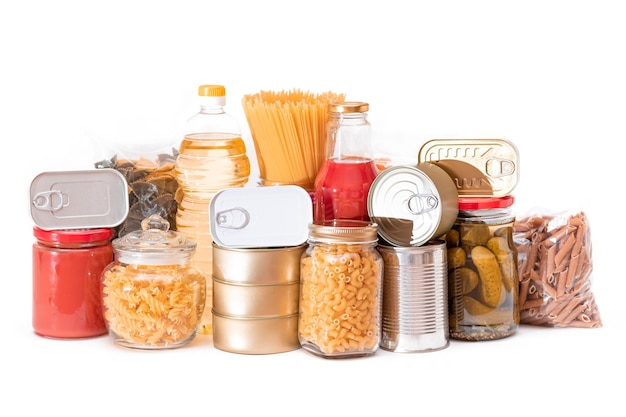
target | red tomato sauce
[
  {"x": 341, "y": 190},
  {"x": 67, "y": 268}
]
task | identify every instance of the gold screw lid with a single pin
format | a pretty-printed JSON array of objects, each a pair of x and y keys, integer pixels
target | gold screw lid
[
  {"x": 344, "y": 231},
  {"x": 349, "y": 107}
]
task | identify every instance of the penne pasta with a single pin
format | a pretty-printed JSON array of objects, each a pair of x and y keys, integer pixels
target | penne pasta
[{"x": 555, "y": 271}]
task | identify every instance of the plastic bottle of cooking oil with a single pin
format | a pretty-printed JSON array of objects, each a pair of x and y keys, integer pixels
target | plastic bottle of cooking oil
[{"x": 212, "y": 156}]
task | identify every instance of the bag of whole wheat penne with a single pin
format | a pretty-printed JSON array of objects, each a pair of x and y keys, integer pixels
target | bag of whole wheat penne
[{"x": 555, "y": 270}]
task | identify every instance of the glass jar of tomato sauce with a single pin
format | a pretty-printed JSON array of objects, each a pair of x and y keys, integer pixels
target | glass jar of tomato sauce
[
  {"x": 343, "y": 182},
  {"x": 67, "y": 265}
]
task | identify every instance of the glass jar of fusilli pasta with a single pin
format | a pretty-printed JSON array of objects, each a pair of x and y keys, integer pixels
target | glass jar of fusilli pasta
[
  {"x": 340, "y": 290},
  {"x": 152, "y": 295}
]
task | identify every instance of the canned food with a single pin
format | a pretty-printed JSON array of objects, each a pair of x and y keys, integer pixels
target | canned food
[
  {"x": 415, "y": 298},
  {"x": 261, "y": 217},
  {"x": 266, "y": 300},
  {"x": 88, "y": 199},
  {"x": 413, "y": 205},
  {"x": 478, "y": 167},
  {"x": 255, "y": 335},
  {"x": 256, "y": 299},
  {"x": 260, "y": 266}
]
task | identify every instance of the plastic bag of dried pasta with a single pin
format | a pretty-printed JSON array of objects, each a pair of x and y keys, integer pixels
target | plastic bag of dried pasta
[
  {"x": 148, "y": 167},
  {"x": 555, "y": 269}
]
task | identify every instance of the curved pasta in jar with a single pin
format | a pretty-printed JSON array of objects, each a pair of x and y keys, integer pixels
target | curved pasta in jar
[
  {"x": 340, "y": 300},
  {"x": 156, "y": 306}
]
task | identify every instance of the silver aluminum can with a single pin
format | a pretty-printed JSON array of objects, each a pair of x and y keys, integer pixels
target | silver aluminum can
[
  {"x": 413, "y": 205},
  {"x": 415, "y": 298}
]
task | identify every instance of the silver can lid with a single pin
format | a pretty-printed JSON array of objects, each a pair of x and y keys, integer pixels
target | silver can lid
[
  {"x": 257, "y": 217},
  {"x": 96, "y": 198},
  {"x": 412, "y": 205}
]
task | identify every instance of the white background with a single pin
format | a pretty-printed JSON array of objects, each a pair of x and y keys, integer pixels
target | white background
[{"x": 547, "y": 75}]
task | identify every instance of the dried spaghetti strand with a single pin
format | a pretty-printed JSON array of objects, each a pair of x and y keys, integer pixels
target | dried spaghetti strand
[{"x": 288, "y": 130}]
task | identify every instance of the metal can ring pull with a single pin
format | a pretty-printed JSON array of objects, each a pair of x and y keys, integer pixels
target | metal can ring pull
[
  {"x": 499, "y": 167},
  {"x": 422, "y": 203},
  {"x": 235, "y": 218},
  {"x": 51, "y": 200}
]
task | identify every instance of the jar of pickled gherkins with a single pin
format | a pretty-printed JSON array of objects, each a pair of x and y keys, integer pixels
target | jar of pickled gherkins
[
  {"x": 340, "y": 290},
  {"x": 482, "y": 270},
  {"x": 152, "y": 295}
]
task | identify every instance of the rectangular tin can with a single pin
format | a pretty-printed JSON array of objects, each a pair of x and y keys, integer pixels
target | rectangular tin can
[
  {"x": 478, "y": 167},
  {"x": 88, "y": 199}
]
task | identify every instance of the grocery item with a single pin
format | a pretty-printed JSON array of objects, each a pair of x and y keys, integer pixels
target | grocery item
[
  {"x": 75, "y": 213},
  {"x": 412, "y": 205},
  {"x": 66, "y": 281},
  {"x": 212, "y": 156},
  {"x": 415, "y": 298},
  {"x": 343, "y": 182},
  {"x": 555, "y": 269},
  {"x": 482, "y": 270},
  {"x": 478, "y": 167},
  {"x": 153, "y": 297},
  {"x": 256, "y": 293},
  {"x": 152, "y": 185},
  {"x": 289, "y": 133},
  {"x": 341, "y": 285}
]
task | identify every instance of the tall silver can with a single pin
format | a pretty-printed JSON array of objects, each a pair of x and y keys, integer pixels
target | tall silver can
[{"x": 415, "y": 298}]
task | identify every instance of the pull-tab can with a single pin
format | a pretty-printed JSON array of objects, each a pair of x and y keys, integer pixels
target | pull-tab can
[
  {"x": 71, "y": 200},
  {"x": 413, "y": 205},
  {"x": 261, "y": 217},
  {"x": 478, "y": 167}
]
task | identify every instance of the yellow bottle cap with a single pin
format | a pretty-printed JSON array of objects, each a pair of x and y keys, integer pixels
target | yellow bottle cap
[{"x": 211, "y": 90}]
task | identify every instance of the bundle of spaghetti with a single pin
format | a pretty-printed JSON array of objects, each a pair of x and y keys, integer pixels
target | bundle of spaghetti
[
  {"x": 288, "y": 129},
  {"x": 555, "y": 267}
]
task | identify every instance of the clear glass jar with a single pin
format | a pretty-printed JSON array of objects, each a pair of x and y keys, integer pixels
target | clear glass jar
[
  {"x": 66, "y": 281},
  {"x": 340, "y": 290},
  {"x": 482, "y": 270},
  {"x": 152, "y": 295},
  {"x": 343, "y": 182}
]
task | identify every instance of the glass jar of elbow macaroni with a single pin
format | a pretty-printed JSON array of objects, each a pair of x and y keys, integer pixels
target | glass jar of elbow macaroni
[
  {"x": 340, "y": 290},
  {"x": 482, "y": 270}
]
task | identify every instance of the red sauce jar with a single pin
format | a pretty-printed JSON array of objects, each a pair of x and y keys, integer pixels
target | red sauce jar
[
  {"x": 67, "y": 266},
  {"x": 343, "y": 182}
]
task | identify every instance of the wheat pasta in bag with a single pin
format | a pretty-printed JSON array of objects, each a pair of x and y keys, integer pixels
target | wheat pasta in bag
[{"x": 555, "y": 270}]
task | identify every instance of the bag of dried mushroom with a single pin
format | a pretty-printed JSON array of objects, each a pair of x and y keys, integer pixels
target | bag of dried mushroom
[
  {"x": 555, "y": 270},
  {"x": 152, "y": 185}
]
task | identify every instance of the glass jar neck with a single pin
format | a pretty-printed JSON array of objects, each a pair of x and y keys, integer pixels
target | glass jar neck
[
  {"x": 344, "y": 231},
  {"x": 489, "y": 216},
  {"x": 72, "y": 245},
  {"x": 348, "y": 137}
]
